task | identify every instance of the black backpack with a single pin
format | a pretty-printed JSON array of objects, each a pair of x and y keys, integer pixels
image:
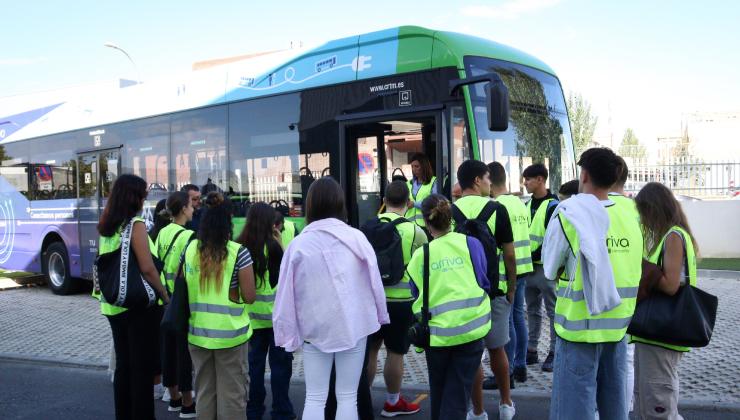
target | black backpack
[
  {"x": 382, "y": 234},
  {"x": 478, "y": 228}
]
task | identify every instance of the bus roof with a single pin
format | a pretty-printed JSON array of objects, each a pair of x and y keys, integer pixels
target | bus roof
[{"x": 383, "y": 53}]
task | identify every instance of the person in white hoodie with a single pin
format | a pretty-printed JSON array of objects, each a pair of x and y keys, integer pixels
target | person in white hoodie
[
  {"x": 593, "y": 249},
  {"x": 329, "y": 301}
]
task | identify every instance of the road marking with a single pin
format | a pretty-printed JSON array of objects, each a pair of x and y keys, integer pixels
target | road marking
[{"x": 420, "y": 398}]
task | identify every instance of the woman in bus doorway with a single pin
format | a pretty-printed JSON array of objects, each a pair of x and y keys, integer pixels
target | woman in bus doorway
[
  {"x": 671, "y": 246},
  {"x": 171, "y": 239},
  {"x": 220, "y": 280},
  {"x": 422, "y": 185},
  {"x": 459, "y": 306},
  {"x": 135, "y": 331},
  {"x": 329, "y": 301},
  {"x": 263, "y": 240}
]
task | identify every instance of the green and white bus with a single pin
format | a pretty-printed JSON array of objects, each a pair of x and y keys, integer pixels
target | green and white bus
[{"x": 355, "y": 108}]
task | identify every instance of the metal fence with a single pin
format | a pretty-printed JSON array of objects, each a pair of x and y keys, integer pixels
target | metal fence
[{"x": 690, "y": 178}]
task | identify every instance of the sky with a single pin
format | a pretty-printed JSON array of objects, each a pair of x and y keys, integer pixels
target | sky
[{"x": 641, "y": 64}]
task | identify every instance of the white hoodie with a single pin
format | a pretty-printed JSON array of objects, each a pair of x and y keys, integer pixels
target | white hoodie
[{"x": 591, "y": 222}]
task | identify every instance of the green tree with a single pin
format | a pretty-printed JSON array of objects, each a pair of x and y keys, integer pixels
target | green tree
[
  {"x": 582, "y": 122},
  {"x": 631, "y": 146}
]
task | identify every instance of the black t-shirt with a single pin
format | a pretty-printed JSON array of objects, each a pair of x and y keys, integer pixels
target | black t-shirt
[{"x": 503, "y": 233}]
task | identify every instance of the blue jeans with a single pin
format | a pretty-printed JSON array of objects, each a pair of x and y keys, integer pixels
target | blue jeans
[
  {"x": 587, "y": 376},
  {"x": 516, "y": 349},
  {"x": 281, "y": 369}
]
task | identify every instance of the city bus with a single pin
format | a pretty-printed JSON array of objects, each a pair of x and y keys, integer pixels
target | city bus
[{"x": 354, "y": 108}]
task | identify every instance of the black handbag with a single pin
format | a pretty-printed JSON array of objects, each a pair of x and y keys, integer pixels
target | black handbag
[
  {"x": 176, "y": 316},
  {"x": 118, "y": 277},
  {"x": 419, "y": 334},
  {"x": 684, "y": 319}
]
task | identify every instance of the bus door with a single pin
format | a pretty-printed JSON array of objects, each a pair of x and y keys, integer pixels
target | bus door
[
  {"x": 378, "y": 152},
  {"x": 97, "y": 171}
]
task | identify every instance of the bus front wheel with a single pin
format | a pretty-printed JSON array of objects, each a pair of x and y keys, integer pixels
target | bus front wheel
[{"x": 55, "y": 264}]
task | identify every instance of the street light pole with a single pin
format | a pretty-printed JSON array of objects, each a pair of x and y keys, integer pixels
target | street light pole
[{"x": 116, "y": 47}]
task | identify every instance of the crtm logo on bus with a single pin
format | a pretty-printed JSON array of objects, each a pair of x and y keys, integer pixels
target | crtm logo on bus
[
  {"x": 447, "y": 264},
  {"x": 615, "y": 244}
]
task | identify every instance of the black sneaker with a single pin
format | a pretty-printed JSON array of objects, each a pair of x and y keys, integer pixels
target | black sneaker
[
  {"x": 520, "y": 374},
  {"x": 547, "y": 365},
  {"x": 188, "y": 412},
  {"x": 494, "y": 385},
  {"x": 532, "y": 358},
  {"x": 175, "y": 405}
]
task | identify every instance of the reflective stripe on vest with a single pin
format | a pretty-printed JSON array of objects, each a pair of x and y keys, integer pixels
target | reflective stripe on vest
[
  {"x": 260, "y": 312},
  {"x": 461, "y": 310},
  {"x": 691, "y": 255},
  {"x": 401, "y": 292},
  {"x": 537, "y": 226},
  {"x": 573, "y": 321},
  {"x": 414, "y": 214},
  {"x": 108, "y": 244},
  {"x": 215, "y": 321},
  {"x": 519, "y": 216}
]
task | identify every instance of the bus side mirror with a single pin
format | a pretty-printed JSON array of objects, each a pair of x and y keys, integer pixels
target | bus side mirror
[{"x": 497, "y": 105}]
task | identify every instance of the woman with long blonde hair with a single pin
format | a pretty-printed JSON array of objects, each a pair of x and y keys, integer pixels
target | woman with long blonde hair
[{"x": 670, "y": 245}]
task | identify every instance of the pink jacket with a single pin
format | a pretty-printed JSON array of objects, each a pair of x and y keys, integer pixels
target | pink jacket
[{"x": 330, "y": 292}]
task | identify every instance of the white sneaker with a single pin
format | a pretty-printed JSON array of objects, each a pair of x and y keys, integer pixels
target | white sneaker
[
  {"x": 506, "y": 412},
  {"x": 159, "y": 391},
  {"x": 481, "y": 416},
  {"x": 166, "y": 397}
]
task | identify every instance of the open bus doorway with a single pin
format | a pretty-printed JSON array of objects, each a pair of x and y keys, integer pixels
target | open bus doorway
[{"x": 380, "y": 152}]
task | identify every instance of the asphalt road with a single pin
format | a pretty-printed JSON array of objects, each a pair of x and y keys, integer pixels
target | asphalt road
[{"x": 30, "y": 390}]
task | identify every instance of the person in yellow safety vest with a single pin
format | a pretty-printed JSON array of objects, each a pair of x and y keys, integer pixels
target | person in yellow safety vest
[
  {"x": 263, "y": 240},
  {"x": 475, "y": 182},
  {"x": 674, "y": 250},
  {"x": 171, "y": 239},
  {"x": 459, "y": 306},
  {"x": 220, "y": 282},
  {"x": 599, "y": 245},
  {"x": 539, "y": 289},
  {"x": 423, "y": 183},
  {"x": 516, "y": 349},
  {"x": 135, "y": 331},
  {"x": 288, "y": 230},
  {"x": 398, "y": 300}
]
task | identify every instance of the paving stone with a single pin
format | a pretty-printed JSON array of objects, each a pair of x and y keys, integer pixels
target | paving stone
[{"x": 35, "y": 323}]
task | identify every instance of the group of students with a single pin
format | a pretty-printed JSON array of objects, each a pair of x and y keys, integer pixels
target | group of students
[{"x": 470, "y": 266}]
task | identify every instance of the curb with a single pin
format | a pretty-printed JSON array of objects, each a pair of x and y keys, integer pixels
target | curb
[
  {"x": 718, "y": 274},
  {"x": 47, "y": 361},
  {"x": 689, "y": 404}
]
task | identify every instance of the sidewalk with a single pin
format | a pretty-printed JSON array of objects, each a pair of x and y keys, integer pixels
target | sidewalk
[{"x": 37, "y": 325}]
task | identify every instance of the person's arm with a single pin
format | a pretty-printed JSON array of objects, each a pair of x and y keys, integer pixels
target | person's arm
[
  {"x": 673, "y": 263},
  {"x": 555, "y": 249},
  {"x": 247, "y": 289},
  {"x": 284, "y": 316},
  {"x": 505, "y": 239},
  {"x": 510, "y": 266},
  {"x": 236, "y": 291},
  {"x": 140, "y": 245},
  {"x": 480, "y": 265}
]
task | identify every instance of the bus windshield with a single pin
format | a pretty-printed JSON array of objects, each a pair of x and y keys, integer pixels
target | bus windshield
[{"x": 538, "y": 131}]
